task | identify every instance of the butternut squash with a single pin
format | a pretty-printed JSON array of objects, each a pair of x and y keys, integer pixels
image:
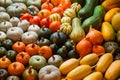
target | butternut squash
[
  {"x": 113, "y": 71},
  {"x": 68, "y": 65}
]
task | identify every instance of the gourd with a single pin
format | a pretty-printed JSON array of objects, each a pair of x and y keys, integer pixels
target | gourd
[
  {"x": 66, "y": 28},
  {"x": 90, "y": 59},
  {"x": 23, "y": 24},
  {"x": 104, "y": 62},
  {"x": 5, "y": 25},
  {"x": 76, "y": 7},
  {"x": 36, "y": 3},
  {"x": 33, "y": 10},
  {"x": 5, "y": 3},
  {"x": 14, "y": 21},
  {"x": 16, "y": 9},
  {"x": 69, "y": 13},
  {"x": 4, "y": 16},
  {"x": 3, "y": 36},
  {"x": 68, "y": 65},
  {"x": 77, "y": 32},
  {"x": 14, "y": 33},
  {"x": 66, "y": 19},
  {"x": 79, "y": 72},
  {"x": 54, "y": 17},
  {"x": 113, "y": 71},
  {"x": 29, "y": 37}
]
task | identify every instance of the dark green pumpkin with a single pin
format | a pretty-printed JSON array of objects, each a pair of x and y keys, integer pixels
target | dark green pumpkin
[
  {"x": 62, "y": 52},
  {"x": 16, "y": 9},
  {"x": 3, "y": 74},
  {"x": 33, "y": 10},
  {"x": 69, "y": 44},
  {"x": 5, "y": 3},
  {"x": 54, "y": 48},
  {"x": 3, "y": 51},
  {"x": 11, "y": 54}
]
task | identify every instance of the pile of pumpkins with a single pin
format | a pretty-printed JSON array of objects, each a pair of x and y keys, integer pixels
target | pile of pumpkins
[{"x": 59, "y": 39}]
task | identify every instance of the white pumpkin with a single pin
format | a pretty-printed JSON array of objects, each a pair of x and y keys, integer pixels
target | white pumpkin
[
  {"x": 24, "y": 24},
  {"x": 3, "y": 36},
  {"x": 14, "y": 33},
  {"x": 14, "y": 21},
  {"x": 49, "y": 72},
  {"x": 34, "y": 28},
  {"x": 5, "y": 25},
  {"x": 29, "y": 37}
]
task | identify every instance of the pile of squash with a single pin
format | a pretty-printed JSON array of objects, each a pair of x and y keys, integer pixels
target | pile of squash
[{"x": 83, "y": 34}]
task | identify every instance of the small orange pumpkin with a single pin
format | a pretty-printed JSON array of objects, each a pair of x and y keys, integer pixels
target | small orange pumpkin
[
  {"x": 18, "y": 46},
  {"x": 98, "y": 49},
  {"x": 4, "y": 62},
  {"x": 32, "y": 49},
  {"x": 45, "y": 51},
  {"x": 16, "y": 68},
  {"x": 23, "y": 57}
]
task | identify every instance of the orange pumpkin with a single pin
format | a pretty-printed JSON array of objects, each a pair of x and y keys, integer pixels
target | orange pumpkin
[
  {"x": 58, "y": 10},
  {"x": 45, "y": 51},
  {"x": 55, "y": 2},
  {"x": 44, "y": 13},
  {"x": 32, "y": 49},
  {"x": 98, "y": 49},
  {"x": 18, "y": 46},
  {"x": 64, "y": 4},
  {"x": 16, "y": 68},
  {"x": 4, "y": 62},
  {"x": 23, "y": 57}
]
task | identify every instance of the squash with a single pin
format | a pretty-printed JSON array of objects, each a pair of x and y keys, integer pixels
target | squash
[
  {"x": 69, "y": 13},
  {"x": 79, "y": 72},
  {"x": 77, "y": 33},
  {"x": 66, "y": 19},
  {"x": 66, "y": 28},
  {"x": 23, "y": 24},
  {"x": 76, "y": 7},
  {"x": 16, "y": 9},
  {"x": 3, "y": 36},
  {"x": 36, "y": 3},
  {"x": 4, "y": 26},
  {"x": 14, "y": 21},
  {"x": 33, "y": 10},
  {"x": 113, "y": 71},
  {"x": 4, "y": 16},
  {"x": 5, "y": 3},
  {"x": 14, "y": 33},
  {"x": 54, "y": 17},
  {"x": 19, "y": 1},
  {"x": 68, "y": 65},
  {"x": 29, "y": 37}
]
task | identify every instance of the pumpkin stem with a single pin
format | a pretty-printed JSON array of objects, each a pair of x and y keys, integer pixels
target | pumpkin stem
[
  {"x": 42, "y": 38},
  {"x": 92, "y": 67},
  {"x": 22, "y": 55},
  {"x": 112, "y": 51},
  {"x": 14, "y": 65},
  {"x": 54, "y": 40},
  {"x": 4, "y": 57},
  {"x": 30, "y": 69},
  {"x": 64, "y": 48},
  {"x": 90, "y": 27},
  {"x": 18, "y": 43},
  {"x": 33, "y": 45},
  {"x": 58, "y": 33},
  {"x": 53, "y": 57}
]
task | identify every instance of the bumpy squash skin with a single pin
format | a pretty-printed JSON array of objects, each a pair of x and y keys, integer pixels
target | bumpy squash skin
[
  {"x": 113, "y": 71},
  {"x": 68, "y": 65},
  {"x": 79, "y": 72},
  {"x": 94, "y": 76},
  {"x": 90, "y": 59},
  {"x": 104, "y": 62},
  {"x": 87, "y": 9},
  {"x": 95, "y": 20}
]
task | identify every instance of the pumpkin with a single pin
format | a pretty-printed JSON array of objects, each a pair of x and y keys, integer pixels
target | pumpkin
[
  {"x": 4, "y": 62},
  {"x": 2, "y": 9},
  {"x": 29, "y": 37},
  {"x": 23, "y": 57},
  {"x": 16, "y": 9},
  {"x": 4, "y": 16},
  {"x": 16, "y": 68},
  {"x": 45, "y": 51},
  {"x": 54, "y": 26},
  {"x": 18, "y": 46},
  {"x": 14, "y": 33},
  {"x": 5, "y": 3},
  {"x": 32, "y": 49},
  {"x": 58, "y": 10},
  {"x": 47, "y": 5},
  {"x": 36, "y": 3},
  {"x": 5, "y": 25},
  {"x": 14, "y": 21},
  {"x": 66, "y": 28},
  {"x": 24, "y": 24},
  {"x": 33, "y": 10},
  {"x": 98, "y": 49},
  {"x": 3, "y": 36}
]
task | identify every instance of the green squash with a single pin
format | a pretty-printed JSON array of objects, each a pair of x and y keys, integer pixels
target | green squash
[
  {"x": 5, "y": 3},
  {"x": 16, "y": 9}
]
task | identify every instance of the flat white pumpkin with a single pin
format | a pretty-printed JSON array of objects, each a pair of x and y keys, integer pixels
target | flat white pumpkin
[{"x": 3, "y": 36}]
